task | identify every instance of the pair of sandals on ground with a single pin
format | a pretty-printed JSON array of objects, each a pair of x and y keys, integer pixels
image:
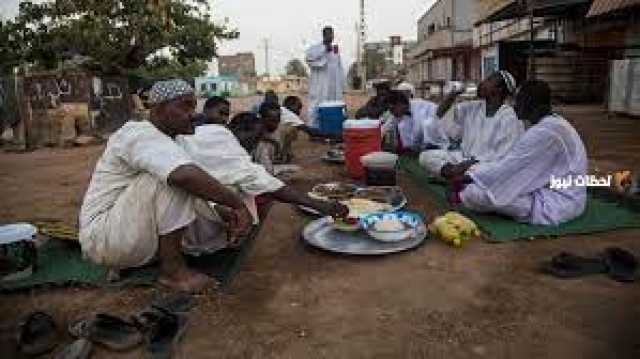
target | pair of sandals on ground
[
  {"x": 159, "y": 326},
  {"x": 619, "y": 264}
]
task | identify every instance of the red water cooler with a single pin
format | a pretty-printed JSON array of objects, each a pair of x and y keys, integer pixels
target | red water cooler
[{"x": 361, "y": 137}]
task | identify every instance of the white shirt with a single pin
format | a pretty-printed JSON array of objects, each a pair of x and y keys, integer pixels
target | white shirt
[
  {"x": 137, "y": 147},
  {"x": 420, "y": 127},
  {"x": 290, "y": 118},
  {"x": 550, "y": 148},
  {"x": 486, "y": 138}
]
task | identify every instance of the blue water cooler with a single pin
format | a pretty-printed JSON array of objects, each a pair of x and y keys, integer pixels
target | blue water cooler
[{"x": 331, "y": 116}]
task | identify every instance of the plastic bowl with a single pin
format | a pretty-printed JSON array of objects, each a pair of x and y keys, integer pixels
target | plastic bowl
[{"x": 411, "y": 221}]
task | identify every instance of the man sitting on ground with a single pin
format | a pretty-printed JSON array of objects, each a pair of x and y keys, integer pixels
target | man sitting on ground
[
  {"x": 383, "y": 89},
  {"x": 218, "y": 151},
  {"x": 143, "y": 190},
  {"x": 518, "y": 185},
  {"x": 216, "y": 111},
  {"x": 488, "y": 128},
  {"x": 413, "y": 127}
]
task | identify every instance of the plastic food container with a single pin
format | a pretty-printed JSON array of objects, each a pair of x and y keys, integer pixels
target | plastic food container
[{"x": 380, "y": 168}]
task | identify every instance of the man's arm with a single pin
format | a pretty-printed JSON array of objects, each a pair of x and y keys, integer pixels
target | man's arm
[
  {"x": 287, "y": 194},
  {"x": 197, "y": 182},
  {"x": 446, "y": 103}
]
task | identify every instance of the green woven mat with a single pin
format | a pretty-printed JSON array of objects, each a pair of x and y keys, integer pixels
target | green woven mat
[
  {"x": 60, "y": 263},
  {"x": 600, "y": 215}
]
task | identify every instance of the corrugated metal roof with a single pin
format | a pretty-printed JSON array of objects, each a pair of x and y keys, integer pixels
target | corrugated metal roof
[{"x": 600, "y": 7}]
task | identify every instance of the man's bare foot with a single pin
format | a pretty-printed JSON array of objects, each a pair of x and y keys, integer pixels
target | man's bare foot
[{"x": 186, "y": 281}]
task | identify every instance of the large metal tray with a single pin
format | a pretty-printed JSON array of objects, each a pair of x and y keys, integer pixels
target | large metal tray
[{"x": 321, "y": 234}]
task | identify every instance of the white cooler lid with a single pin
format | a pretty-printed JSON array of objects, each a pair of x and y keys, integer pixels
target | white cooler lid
[
  {"x": 385, "y": 160},
  {"x": 332, "y": 104},
  {"x": 361, "y": 124}
]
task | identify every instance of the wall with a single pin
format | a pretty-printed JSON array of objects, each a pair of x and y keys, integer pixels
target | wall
[{"x": 241, "y": 65}]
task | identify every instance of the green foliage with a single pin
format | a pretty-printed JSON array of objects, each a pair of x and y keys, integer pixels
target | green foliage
[
  {"x": 163, "y": 68},
  {"x": 116, "y": 35},
  {"x": 295, "y": 67}
]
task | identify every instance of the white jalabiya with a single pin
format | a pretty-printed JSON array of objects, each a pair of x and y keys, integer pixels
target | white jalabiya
[
  {"x": 326, "y": 80},
  {"x": 216, "y": 150},
  {"x": 287, "y": 117},
  {"x": 519, "y": 184},
  {"x": 419, "y": 128},
  {"x": 128, "y": 203},
  {"x": 484, "y": 138}
]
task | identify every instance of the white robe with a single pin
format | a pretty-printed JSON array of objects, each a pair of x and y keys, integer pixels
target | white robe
[
  {"x": 486, "y": 139},
  {"x": 419, "y": 128},
  {"x": 519, "y": 184},
  {"x": 217, "y": 151},
  {"x": 326, "y": 81}
]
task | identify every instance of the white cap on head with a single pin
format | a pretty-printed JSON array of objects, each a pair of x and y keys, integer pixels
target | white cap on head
[
  {"x": 509, "y": 80},
  {"x": 164, "y": 91},
  {"x": 405, "y": 86}
]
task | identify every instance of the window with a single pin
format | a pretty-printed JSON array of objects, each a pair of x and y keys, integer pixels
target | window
[
  {"x": 448, "y": 22},
  {"x": 203, "y": 87}
]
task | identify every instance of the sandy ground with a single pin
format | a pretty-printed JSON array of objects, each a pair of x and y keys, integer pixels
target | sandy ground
[{"x": 292, "y": 301}]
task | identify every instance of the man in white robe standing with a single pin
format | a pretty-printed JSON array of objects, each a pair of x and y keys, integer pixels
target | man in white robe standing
[
  {"x": 487, "y": 128},
  {"x": 519, "y": 185},
  {"x": 327, "y": 80}
]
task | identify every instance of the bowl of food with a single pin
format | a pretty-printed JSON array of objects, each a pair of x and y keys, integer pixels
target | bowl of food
[{"x": 392, "y": 226}]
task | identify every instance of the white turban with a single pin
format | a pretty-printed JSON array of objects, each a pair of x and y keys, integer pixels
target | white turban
[{"x": 405, "y": 86}]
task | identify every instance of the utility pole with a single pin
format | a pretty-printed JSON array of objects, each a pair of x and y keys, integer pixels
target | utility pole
[
  {"x": 266, "y": 56},
  {"x": 362, "y": 38}
]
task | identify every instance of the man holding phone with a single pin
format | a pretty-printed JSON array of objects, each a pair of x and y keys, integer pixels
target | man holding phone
[{"x": 327, "y": 78}]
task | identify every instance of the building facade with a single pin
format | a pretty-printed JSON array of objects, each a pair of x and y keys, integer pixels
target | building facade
[
  {"x": 445, "y": 49},
  {"x": 283, "y": 84},
  {"x": 220, "y": 86},
  {"x": 241, "y": 66},
  {"x": 387, "y": 59}
]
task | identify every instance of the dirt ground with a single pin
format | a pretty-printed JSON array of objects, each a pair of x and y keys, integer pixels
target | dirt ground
[{"x": 292, "y": 301}]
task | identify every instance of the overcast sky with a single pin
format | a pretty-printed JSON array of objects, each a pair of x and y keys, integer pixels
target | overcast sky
[{"x": 292, "y": 25}]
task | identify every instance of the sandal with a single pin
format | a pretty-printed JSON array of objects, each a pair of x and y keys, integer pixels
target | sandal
[
  {"x": 37, "y": 334},
  {"x": 108, "y": 331},
  {"x": 623, "y": 266},
  {"x": 566, "y": 265}
]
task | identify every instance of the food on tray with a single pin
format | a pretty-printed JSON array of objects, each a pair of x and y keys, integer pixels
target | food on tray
[
  {"x": 348, "y": 224},
  {"x": 454, "y": 228},
  {"x": 359, "y": 206},
  {"x": 333, "y": 191},
  {"x": 389, "y": 225}
]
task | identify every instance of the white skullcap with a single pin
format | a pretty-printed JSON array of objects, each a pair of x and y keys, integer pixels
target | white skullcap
[
  {"x": 164, "y": 91},
  {"x": 509, "y": 80}
]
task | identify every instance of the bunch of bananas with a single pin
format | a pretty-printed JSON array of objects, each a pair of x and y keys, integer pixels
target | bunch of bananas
[{"x": 454, "y": 228}]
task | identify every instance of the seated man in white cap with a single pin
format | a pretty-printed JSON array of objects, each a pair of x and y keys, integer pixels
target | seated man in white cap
[
  {"x": 142, "y": 193},
  {"x": 521, "y": 185},
  {"x": 488, "y": 128},
  {"x": 413, "y": 126}
]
